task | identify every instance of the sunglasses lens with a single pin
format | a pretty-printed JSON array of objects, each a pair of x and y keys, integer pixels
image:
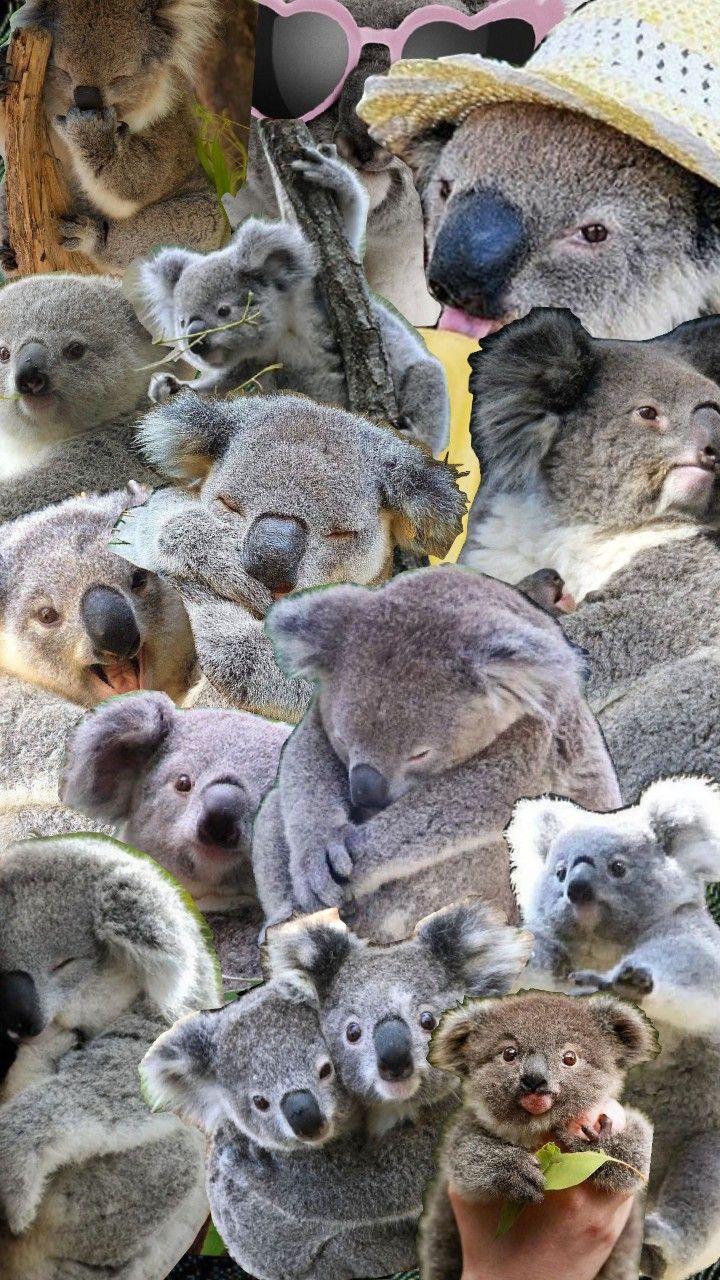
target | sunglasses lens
[
  {"x": 299, "y": 60},
  {"x": 507, "y": 40}
]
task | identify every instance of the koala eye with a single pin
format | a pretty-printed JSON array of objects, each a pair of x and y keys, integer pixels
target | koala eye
[
  {"x": 509, "y": 1054},
  {"x": 617, "y": 868},
  {"x": 417, "y": 756},
  {"x": 183, "y": 783},
  {"x": 342, "y": 533},
  {"x": 648, "y": 413},
  {"x": 62, "y": 964},
  {"x": 561, "y": 871},
  {"x": 427, "y": 1020},
  {"x": 594, "y": 232},
  {"x": 260, "y": 1103},
  {"x": 353, "y": 1032},
  {"x": 47, "y": 616},
  {"x": 74, "y": 351},
  {"x": 326, "y": 1070},
  {"x": 569, "y": 1058},
  {"x": 445, "y": 189},
  {"x": 230, "y": 505},
  {"x": 139, "y": 580},
  {"x": 223, "y": 312},
  {"x": 4, "y": 354}
]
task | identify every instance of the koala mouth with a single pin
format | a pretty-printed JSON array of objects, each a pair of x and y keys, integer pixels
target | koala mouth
[
  {"x": 459, "y": 321},
  {"x": 536, "y": 1104},
  {"x": 121, "y": 677}
]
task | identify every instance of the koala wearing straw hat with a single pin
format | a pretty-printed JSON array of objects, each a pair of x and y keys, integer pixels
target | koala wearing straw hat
[{"x": 587, "y": 178}]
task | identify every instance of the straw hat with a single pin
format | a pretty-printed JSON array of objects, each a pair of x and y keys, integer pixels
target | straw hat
[{"x": 649, "y": 68}]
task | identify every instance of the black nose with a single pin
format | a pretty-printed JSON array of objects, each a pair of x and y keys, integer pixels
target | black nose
[
  {"x": 88, "y": 97},
  {"x": 195, "y": 326},
  {"x": 302, "y": 1113},
  {"x": 531, "y": 1081},
  {"x": 19, "y": 1004},
  {"x": 110, "y": 623},
  {"x": 580, "y": 887},
  {"x": 31, "y": 374},
  {"x": 273, "y": 551},
  {"x": 478, "y": 249},
  {"x": 393, "y": 1046},
  {"x": 706, "y": 435},
  {"x": 223, "y": 809},
  {"x": 368, "y": 788}
]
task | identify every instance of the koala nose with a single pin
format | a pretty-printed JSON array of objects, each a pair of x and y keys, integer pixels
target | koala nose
[
  {"x": 88, "y": 98},
  {"x": 273, "y": 550},
  {"x": 533, "y": 1078},
  {"x": 31, "y": 375},
  {"x": 393, "y": 1046},
  {"x": 223, "y": 808},
  {"x": 706, "y": 435},
  {"x": 197, "y": 325},
  {"x": 302, "y": 1113},
  {"x": 110, "y": 622},
  {"x": 20, "y": 1012},
  {"x": 478, "y": 249},
  {"x": 368, "y": 788},
  {"x": 580, "y": 887}
]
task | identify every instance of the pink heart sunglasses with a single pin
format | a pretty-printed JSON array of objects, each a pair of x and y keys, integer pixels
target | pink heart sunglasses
[{"x": 305, "y": 49}]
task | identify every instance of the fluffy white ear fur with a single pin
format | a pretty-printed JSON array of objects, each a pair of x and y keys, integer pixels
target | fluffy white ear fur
[
  {"x": 684, "y": 813},
  {"x": 294, "y": 950},
  {"x": 534, "y": 826},
  {"x": 177, "y": 1073}
]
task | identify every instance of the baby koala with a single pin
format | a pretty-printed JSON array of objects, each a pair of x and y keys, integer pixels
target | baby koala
[
  {"x": 535, "y": 1068},
  {"x": 20, "y": 1016}
]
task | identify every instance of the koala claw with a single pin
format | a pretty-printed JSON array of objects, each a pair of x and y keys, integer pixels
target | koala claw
[
  {"x": 634, "y": 978},
  {"x": 338, "y": 858},
  {"x": 80, "y": 232},
  {"x": 589, "y": 979},
  {"x": 78, "y": 121},
  {"x": 163, "y": 386}
]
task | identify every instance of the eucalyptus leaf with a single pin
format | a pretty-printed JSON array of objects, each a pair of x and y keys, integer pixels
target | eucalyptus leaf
[
  {"x": 570, "y": 1168},
  {"x": 508, "y": 1214}
]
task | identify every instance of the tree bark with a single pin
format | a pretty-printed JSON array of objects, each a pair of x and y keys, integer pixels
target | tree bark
[{"x": 34, "y": 181}]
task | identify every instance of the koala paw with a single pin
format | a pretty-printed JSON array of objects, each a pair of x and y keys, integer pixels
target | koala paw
[
  {"x": 520, "y": 1179},
  {"x": 93, "y": 132},
  {"x": 589, "y": 980},
  {"x": 81, "y": 233},
  {"x": 163, "y": 386},
  {"x": 634, "y": 979},
  {"x": 319, "y": 165}
]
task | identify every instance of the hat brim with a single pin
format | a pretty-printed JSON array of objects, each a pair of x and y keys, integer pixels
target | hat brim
[{"x": 419, "y": 94}]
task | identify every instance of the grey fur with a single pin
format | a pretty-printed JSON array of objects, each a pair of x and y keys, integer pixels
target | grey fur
[
  {"x": 487, "y": 1153},
  {"x": 643, "y": 930},
  {"x": 442, "y": 664},
  {"x": 89, "y": 1178}
]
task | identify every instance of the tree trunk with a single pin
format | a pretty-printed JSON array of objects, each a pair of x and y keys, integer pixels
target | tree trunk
[{"x": 223, "y": 84}]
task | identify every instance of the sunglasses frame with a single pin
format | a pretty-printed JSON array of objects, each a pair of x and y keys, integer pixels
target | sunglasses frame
[{"x": 541, "y": 15}]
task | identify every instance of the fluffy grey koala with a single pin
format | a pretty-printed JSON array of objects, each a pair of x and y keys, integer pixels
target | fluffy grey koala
[
  {"x": 379, "y": 1004},
  {"x": 535, "y": 1068},
  {"x": 443, "y": 697},
  {"x": 600, "y": 458},
  {"x": 72, "y": 353},
  {"x": 531, "y": 206},
  {"x": 184, "y": 785},
  {"x": 293, "y": 494},
  {"x": 90, "y": 1179},
  {"x": 297, "y": 1186},
  {"x": 265, "y": 283},
  {"x": 617, "y": 903},
  {"x": 118, "y": 96}
]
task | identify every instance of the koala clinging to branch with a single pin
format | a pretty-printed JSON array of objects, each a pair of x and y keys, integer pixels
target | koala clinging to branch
[
  {"x": 536, "y": 1068},
  {"x": 412, "y": 755},
  {"x": 261, "y": 295},
  {"x": 293, "y": 494},
  {"x": 118, "y": 96},
  {"x": 617, "y": 902}
]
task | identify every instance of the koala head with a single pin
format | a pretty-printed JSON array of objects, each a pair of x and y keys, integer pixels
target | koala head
[
  {"x": 134, "y": 56},
  {"x": 260, "y": 1063},
  {"x": 251, "y": 285},
  {"x": 71, "y": 356},
  {"x": 615, "y": 434},
  {"x": 422, "y": 674},
  {"x": 578, "y": 873},
  {"x": 532, "y": 1062},
  {"x": 379, "y": 1004},
  {"x": 313, "y": 494},
  {"x": 533, "y": 206},
  {"x": 94, "y": 926},
  {"x": 77, "y": 619},
  {"x": 185, "y": 785}
]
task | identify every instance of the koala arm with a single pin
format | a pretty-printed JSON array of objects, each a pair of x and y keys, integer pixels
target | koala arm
[
  {"x": 484, "y": 1168},
  {"x": 322, "y": 167},
  {"x": 549, "y": 957},
  {"x": 419, "y": 381},
  {"x": 632, "y": 1145}
]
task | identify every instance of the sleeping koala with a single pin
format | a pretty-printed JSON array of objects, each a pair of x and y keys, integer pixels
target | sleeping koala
[
  {"x": 296, "y": 1185},
  {"x": 393, "y": 792},
  {"x": 379, "y": 1004},
  {"x": 265, "y": 283},
  {"x": 90, "y": 1179},
  {"x": 20, "y": 1016},
  {"x": 537, "y": 1068},
  {"x": 184, "y": 786},
  {"x": 71, "y": 378},
  {"x": 118, "y": 97},
  {"x": 293, "y": 494},
  {"x": 600, "y": 458},
  {"x": 533, "y": 206},
  {"x": 617, "y": 903}
]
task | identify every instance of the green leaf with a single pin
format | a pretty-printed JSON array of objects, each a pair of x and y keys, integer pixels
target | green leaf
[
  {"x": 508, "y": 1214},
  {"x": 570, "y": 1168}
]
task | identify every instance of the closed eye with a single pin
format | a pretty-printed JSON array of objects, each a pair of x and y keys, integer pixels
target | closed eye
[
  {"x": 63, "y": 964},
  {"x": 230, "y": 505},
  {"x": 343, "y": 533}
]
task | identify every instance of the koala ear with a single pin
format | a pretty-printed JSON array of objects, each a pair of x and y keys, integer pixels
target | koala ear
[
  {"x": 422, "y": 152},
  {"x": 178, "y": 1071},
  {"x": 450, "y": 1041},
  {"x": 310, "y": 949},
  {"x": 186, "y": 436},
  {"x": 423, "y": 496},
  {"x": 697, "y": 342},
  {"x": 305, "y": 628},
  {"x": 150, "y": 286},
  {"x": 521, "y": 664},
  {"x": 277, "y": 251},
  {"x": 684, "y": 814},
  {"x": 523, "y": 379},
  {"x": 530, "y": 834},
  {"x": 633, "y": 1036},
  {"x": 474, "y": 943},
  {"x": 110, "y": 749}
]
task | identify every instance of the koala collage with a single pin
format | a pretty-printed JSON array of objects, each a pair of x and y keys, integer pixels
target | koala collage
[{"x": 359, "y": 760}]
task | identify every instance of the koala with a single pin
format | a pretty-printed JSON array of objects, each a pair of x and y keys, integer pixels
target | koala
[
  {"x": 546, "y": 588},
  {"x": 379, "y": 1004},
  {"x": 600, "y": 459},
  {"x": 414, "y": 753},
  {"x": 532, "y": 206},
  {"x": 266, "y": 284},
  {"x": 296, "y": 1185},
  {"x": 536, "y": 1067},
  {"x": 20, "y": 1016},
  {"x": 90, "y": 1179},
  {"x": 119, "y": 103},
  {"x": 292, "y": 494},
  {"x": 617, "y": 903},
  {"x": 71, "y": 375},
  {"x": 184, "y": 785}
]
